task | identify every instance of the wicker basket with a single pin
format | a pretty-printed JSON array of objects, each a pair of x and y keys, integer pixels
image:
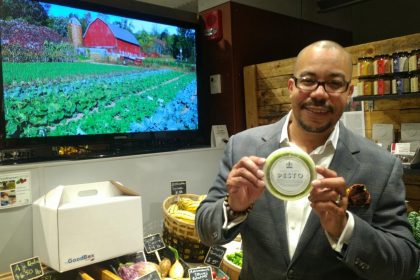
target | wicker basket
[
  {"x": 181, "y": 235},
  {"x": 230, "y": 268}
]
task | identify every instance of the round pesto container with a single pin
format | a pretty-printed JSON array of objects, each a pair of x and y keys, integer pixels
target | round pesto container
[{"x": 288, "y": 173}]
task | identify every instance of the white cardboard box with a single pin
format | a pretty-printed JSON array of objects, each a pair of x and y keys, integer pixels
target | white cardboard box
[{"x": 78, "y": 225}]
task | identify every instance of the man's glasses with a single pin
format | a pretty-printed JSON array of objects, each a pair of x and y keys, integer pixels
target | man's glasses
[{"x": 334, "y": 86}]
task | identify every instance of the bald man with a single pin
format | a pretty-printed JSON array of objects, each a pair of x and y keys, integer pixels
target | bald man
[{"x": 322, "y": 235}]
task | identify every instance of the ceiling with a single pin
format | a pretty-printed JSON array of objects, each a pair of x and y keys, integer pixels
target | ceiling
[{"x": 184, "y": 5}]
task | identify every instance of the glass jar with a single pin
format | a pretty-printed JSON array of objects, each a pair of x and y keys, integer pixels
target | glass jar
[
  {"x": 401, "y": 84},
  {"x": 418, "y": 60},
  {"x": 365, "y": 66},
  {"x": 413, "y": 60},
  {"x": 382, "y": 64},
  {"x": 414, "y": 82},
  {"x": 367, "y": 86},
  {"x": 382, "y": 85},
  {"x": 400, "y": 62}
]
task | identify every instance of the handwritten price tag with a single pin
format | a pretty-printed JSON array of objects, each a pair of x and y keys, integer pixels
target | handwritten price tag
[
  {"x": 27, "y": 269},
  {"x": 151, "y": 276},
  {"x": 178, "y": 187},
  {"x": 200, "y": 273},
  {"x": 153, "y": 243},
  {"x": 215, "y": 255}
]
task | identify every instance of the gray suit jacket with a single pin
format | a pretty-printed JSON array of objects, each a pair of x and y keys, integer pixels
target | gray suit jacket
[{"x": 381, "y": 247}]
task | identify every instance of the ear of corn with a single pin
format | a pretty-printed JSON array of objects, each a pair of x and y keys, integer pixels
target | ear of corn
[
  {"x": 185, "y": 216},
  {"x": 185, "y": 209},
  {"x": 185, "y": 203},
  {"x": 172, "y": 208}
]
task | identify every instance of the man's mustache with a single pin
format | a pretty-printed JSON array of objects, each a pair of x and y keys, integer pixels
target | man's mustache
[{"x": 320, "y": 104}]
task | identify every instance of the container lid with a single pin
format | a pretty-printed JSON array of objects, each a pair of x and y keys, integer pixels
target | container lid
[{"x": 288, "y": 173}]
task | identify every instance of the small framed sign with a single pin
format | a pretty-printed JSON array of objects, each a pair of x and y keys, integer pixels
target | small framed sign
[
  {"x": 154, "y": 275},
  {"x": 153, "y": 243},
  {"x": 27, "y": 269},
  {"x": 178, "y": 187},
  {"x": 136, "y": 257},
  {"x": 215, "y": 255},
  {"x": 200, "y": 273},
  {"x": 140, "y": 257}
]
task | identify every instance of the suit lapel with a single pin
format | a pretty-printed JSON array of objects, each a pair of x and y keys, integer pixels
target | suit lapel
[{"x": 346, "y": 166}]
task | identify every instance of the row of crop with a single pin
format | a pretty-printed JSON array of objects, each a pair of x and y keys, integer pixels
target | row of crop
[
  {"x": 158, "y": 62},
  {"x": 15, "y": 74},
  {"x": 80, "y": 105}
]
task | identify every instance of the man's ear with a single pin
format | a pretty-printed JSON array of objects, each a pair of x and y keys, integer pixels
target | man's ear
[
  {"x": 349, "y": 96},
  {"x": 290, "y": 85}
]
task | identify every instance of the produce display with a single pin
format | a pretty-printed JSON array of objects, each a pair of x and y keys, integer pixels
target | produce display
[
  {"x": 184, "y": 209},
  {"x": 414, "y": 220},
  {"x": 217, "y": 277},
  {"x": 236, "y": 258},
  {"x": 176, "y": 270},
  {"x": 169, "y": 267},
  {"x": 166, "y": 270}
]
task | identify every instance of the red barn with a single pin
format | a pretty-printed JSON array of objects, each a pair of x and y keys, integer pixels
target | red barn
[{"x": 112, "y": 38}]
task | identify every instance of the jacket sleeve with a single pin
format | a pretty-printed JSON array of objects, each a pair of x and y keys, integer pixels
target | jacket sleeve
[{"x": 209, "y": 217}]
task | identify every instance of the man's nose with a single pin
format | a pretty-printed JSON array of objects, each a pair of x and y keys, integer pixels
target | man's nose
[{"x": 319, "y": 92}]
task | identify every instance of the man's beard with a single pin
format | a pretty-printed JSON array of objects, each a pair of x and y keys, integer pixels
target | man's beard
[
  {"x": 311, "y": 129},
  {"x": 317, "y": 103}
]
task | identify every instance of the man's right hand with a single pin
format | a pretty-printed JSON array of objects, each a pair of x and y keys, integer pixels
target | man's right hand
[{"x": 245, "y": 182}]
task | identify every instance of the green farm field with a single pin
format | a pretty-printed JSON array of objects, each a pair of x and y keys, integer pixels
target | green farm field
[{"x": 60, "y": 99}]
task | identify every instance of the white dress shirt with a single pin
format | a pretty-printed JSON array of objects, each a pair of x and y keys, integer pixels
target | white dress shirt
[{"x": 297, "y": 211}]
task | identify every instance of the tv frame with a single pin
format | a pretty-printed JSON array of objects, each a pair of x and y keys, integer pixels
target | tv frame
[{"x": 122, "y": 143}]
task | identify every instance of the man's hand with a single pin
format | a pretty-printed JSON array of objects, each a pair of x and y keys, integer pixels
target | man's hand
[
  {"x": 329, "y": 200},
  {"x": 245, "y": 182}
]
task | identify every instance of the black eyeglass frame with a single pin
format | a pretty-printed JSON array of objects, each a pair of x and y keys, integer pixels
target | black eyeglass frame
[{"x": 295, "y": 79}]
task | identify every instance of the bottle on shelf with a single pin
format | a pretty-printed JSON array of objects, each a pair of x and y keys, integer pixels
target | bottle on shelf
[
  {"x": 400, "y": 62},
  {"x": 382, "y": 64},
  {"x": 365, "y": 66},
  {"x": 414, "y": 82},
  {"x": 414, "y": 60}
]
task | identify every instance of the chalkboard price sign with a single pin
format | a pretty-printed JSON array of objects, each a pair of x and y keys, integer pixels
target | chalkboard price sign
[
  {"x": 27, "y": 269},
  {"x": 178, "y": 187},
  {"x": 200, "y": 273},
  {"x": 140, "y": 257},
  {"x": 215, "y": 255},
  {"x": 151, "y": 276},
  {"x": 153, "y": 243}
]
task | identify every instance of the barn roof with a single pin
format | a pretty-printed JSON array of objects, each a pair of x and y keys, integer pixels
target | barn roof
[
  {"x": 123, "y": 34},
  {"x": 119, "y": 33}
]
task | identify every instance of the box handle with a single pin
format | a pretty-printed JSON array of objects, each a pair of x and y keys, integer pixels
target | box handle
[{"x": 85, "y": 193}]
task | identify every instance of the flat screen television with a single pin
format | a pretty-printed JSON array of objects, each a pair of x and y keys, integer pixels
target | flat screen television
[{"x": 80, "y": 73}]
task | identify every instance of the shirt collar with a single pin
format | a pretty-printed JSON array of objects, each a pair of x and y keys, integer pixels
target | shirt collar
[{"x": 332, "y": 139}]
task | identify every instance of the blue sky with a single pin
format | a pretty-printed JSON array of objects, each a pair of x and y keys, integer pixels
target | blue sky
[{"x": 139, "y": 25}]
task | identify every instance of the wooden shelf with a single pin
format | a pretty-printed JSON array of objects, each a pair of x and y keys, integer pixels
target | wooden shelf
[
  {"x": 386, "y": 96},
  {"x": 388, "y": 75}
]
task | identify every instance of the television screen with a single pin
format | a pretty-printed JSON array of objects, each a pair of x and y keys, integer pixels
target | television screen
[{"x": 71, "y": 71}]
